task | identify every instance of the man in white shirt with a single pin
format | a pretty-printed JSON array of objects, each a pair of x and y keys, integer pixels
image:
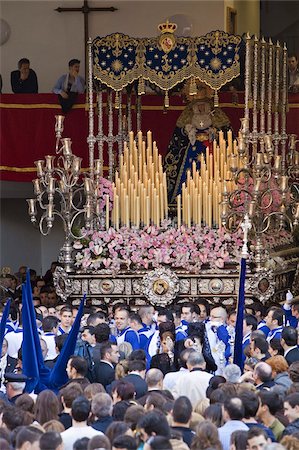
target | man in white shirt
[
  {"x": 80, "y": 413},
  {"x": 233, "y": 413},
  {"x": 194, "y": 383}
]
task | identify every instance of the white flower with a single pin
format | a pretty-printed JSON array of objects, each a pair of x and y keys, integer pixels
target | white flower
[
  {"x": 98, "y": 249},
  {"x": 77, "y": 245}
]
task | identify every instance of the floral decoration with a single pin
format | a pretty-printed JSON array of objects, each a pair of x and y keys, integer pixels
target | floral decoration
[
  {"x": 105, "y": 188},
  {"x": 152, "y": 247}
]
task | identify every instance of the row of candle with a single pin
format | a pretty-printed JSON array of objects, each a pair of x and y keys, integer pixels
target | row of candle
[{"x": 140, "y": 188}]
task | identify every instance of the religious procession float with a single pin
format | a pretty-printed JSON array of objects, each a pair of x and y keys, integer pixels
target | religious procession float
[{"x": 142, "y": 228}]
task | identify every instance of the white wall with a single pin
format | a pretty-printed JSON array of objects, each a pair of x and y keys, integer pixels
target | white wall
[{"x": 50, "y": 39}]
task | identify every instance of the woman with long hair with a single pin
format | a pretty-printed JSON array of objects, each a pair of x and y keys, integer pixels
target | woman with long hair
[
  {"x": 206, "y": 437},
  {"x": 46, "y": 407}
]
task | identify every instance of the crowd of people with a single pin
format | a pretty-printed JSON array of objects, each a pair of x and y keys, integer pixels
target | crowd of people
[{"x": 152, "y": 378}]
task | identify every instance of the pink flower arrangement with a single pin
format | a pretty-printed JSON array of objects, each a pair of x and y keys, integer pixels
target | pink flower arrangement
[{"x": 105, "y": 188}]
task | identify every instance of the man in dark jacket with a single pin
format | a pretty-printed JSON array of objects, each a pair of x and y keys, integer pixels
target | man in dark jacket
[{"x": 24, "y": 80}]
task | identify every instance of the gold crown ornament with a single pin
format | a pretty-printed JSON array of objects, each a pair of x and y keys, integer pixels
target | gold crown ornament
[{"x": 167, "y": 39}]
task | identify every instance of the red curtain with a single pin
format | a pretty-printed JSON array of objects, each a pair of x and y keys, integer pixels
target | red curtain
[{"x": 27, "y": 127}]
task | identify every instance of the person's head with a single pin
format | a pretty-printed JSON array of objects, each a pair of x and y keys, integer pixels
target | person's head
[
  {"x": 262, "y": 373},
  {"x": 81, "y": 443},
  {"x": 270, "y": 403},
  {"x": 80, "y": 409},
  {"x": 15, "y": 384},
  {"x": 135, "y": 321},
  {"x": 102, "y": 405},
  {"x": 195, "y": 360},
  {"x": 258, "y": 347},
  {"x": 233, "y": 409},
  {"x": 294, "y": 372},
  {"x": 91, "y": 390},
  {"x": 274, "y": 318},
  {"x": 206, "y": 436},
  {"x": 275, "y": 347},
  {"x": 122, "y": 390},
  {"x": 46, "y": 406},
  {"x": 278, "y": 364},
  {"x": 121, "y": 318},
  {"x": 204, "y": 308},
  {"x": 164, "y": 316},
  {"x": 146, "y": 314},
  {"x": 291, "y": 406},
  {"x": 124, "y": 442},
  {"x": 133, "y": 414},
  {"x": 4, "y": 347},
  {"x": 249, "y": 323},
  {"x": 109, "y": 352},
  {"x": 52, "y": 297},
  {"x": 182, "y": 410},
  {"x": 28, "y": 439},
  {"x": 214, "y": 384},
  {"x": 158, "y": 443},
  {"x": 51, "y": 441},
  {"x": 214, "y": 414},
  {"x": 250, "y": 402},
  {"x": 238, "y": 440},
  {"x": 102, "y": 332},
  {"x": 167, "y": 342},
  {"x": 154, "y": 379},
  {"x": 187, "y": 312},
  {"x": 99, "y": 442},
  {"x": 50, "y": 324},
  {"x": 152, "y": 424},
  {"x": 155, "y": 401},
  {"x": 257, "y": 439},
  {"x": 88, "y": 335},
  {"x": 231, "y": 318},
  {"x": 292, "y": 62},
  {"x": 76, "y": 367},
  {"x": 25, "y": 402},
  {"x": 74, "y": 67},
  {"x": 218, "y": 315},
  {"x": 137, "y": 366},
  {"x": 53, "y": 425},
  {"x": 69, "y": 393},
  {"x": 96, "y": 318},
  {"x": 24, "y": 66},
  {"x": 117, "y": 428},
  {"x": 289, "y": 337},
  {"x": 232, "y": 373},
  {"x": 66, "y": 317}
]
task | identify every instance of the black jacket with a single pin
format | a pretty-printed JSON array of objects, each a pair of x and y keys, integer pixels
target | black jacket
[
  {"x": 28, "y": 86},
  {"x": 138, "y": 382},
  {"x": 102, "y": 424},
  {"x": 103, "y": 373}
]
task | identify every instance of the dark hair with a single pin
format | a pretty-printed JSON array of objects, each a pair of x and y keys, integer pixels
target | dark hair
[
  {"x": 116, "y": 428},
  {"x": 92, "y": 318},
  {"x": 160, "y": 443},
  {"x": 272, "y": 400},
  {"x": 80, "y": 409},
  {"x": 167, "y": 313},
  {"x": 214, "y": 414},
  {"x": 235, "y": 408},
  {"x": 292, "y": 399},
  {"x": 156, "y": 400},
  {"x": 205, "y": 303},
  {"x": 256, "y": 431},
  {"x": 137, "y": 365},
  {"x": 137, "y": 355},
  {"x": 13, "y": 417},
  {"x": 278, "y": 314},
  {"x": 80, "y": 364},
  {"x": 189, "y": 305},
  {"x": 206, "y": 437},
  {"x": 46, "y": 406},
  {"x": 275, "y": 344},
  {"x": 81, "y": 444},
  {"x": 214, "y": 383},
  {"x": 182, "y": 410},
  {"x": 260, "y": 343},
  {"x": 66, "y": 308},
  {"x": 74, "y": 61},
  {"x": 218, "y": 396},
  {"x": 70, "y": 392},
  {"x": 102, "y": 332},
  {"x": 60, "y": 340},
  {"x": 124, "y": 389},
  {"x": 50, "y": 440},
  {"x": 49, "y": 322},
  {"x": 155, "y": 422},
  {"x": 290, "y": 336},
  {"x": 250, "y": 319},
  {"x": 25, "y": 402},
  {"x": 239, "y": 439},
  {"x": 250, "y": 402},
  {"x": 134, "y": 316},
  {"x": 294, "y": 371},
  {"x": 124, "y": 441},
  {"x": 293, "y": 55},
  {"x": 106, "y": 347},
  {"x": 26, "y": 435},
  {"x": 21, "y": 62}
]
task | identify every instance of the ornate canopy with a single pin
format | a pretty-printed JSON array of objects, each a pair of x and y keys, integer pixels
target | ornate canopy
[{"x": 166, "y": 60}]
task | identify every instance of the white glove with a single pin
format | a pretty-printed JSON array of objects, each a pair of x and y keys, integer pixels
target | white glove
[{"x": 289, "y": 296}]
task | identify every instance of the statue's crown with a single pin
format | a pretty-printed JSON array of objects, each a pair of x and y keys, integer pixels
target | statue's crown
[{"x": 167, "y": 27}]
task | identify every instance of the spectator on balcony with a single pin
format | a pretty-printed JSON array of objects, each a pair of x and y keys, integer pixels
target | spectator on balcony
[
  {"x": 24, "y": 80},
  {"x": 293, "y": 73},
  {"x": 68, "y": 86}
]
